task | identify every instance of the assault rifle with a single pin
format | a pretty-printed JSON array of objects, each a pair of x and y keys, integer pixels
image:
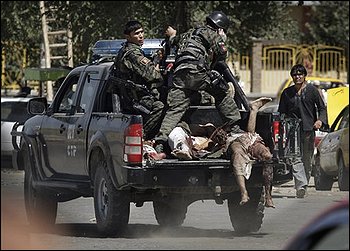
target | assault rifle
[
  {"x": 130, "y": 93},
  {"x": 240, "y": 97}
]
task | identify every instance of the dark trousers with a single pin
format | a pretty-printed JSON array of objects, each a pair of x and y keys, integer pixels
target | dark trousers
[
  {"x": 307, "y": 148},
  {"x": 179, "y": 101}
]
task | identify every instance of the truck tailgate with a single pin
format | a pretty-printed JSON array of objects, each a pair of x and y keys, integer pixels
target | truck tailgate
[
  {"x": 175, "y": 163},
  {"x": 197, "y": 173},
  {"x": 173, "y": 173}
]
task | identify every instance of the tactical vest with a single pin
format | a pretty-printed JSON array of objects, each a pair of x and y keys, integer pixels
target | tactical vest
[
  {"x": 121, "y": 71},
  {"x": 193, "y": 48}
]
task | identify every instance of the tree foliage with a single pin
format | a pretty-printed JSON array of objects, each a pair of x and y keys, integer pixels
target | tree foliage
[
  {"x": 329, "y": 23},
  {"x": 94, "y": 20},
  {"x": 20, "y": 21}
]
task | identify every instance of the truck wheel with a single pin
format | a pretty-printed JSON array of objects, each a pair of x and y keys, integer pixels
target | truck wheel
[
  {"x": 343, "y": 175},
  {"x": 170, "y": 213},
  {"x": 112, "y": 206},
  {"x": 247, "y": 218},
  {"x": 41, "y": 208},
  {"x": 323, "y": 182}
]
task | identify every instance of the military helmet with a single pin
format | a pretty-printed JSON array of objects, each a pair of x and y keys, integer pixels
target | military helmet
[{"x": 218, "y": 19}]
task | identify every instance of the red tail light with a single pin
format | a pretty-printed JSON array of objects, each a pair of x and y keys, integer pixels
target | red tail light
[
  {"x": 133, "y": 144},
  {"x": 276, "y": 130}
]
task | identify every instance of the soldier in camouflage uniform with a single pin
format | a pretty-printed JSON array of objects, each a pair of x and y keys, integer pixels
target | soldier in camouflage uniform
[
  {"x": 131, "y": 64},
  {"x": 198, "y": 51}
]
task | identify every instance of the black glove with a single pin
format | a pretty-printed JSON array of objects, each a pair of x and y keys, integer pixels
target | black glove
[{"x": 217, "y": 80}]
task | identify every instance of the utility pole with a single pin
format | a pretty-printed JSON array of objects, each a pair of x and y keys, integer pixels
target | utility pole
[{"x": 54, "y": 38}]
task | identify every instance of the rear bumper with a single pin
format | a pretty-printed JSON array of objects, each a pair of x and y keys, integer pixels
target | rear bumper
[{"x": 198, "y": 174}]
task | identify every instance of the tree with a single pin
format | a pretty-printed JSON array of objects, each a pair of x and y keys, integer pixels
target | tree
[
  {"x": 329, "y": 24},
  {"x": 92, "y": 21}
]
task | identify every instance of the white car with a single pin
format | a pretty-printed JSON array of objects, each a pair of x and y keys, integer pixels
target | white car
[
  {"x": 13, "y": 109},
  {"x": 332, "y": 157}
]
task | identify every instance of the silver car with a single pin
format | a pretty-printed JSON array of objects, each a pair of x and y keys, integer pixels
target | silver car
[
  {"x": 332, "y": 157},
  {"x": 13, "y": 109}
]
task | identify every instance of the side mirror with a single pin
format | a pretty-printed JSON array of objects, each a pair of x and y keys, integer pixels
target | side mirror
[{"x": 37, "y": 106}]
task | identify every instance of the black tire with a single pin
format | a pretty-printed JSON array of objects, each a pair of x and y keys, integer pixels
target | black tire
[
  {"x": 170, "y": 213},
  {"x": 249, "y": 217},
  {"x": 343, "y": 175},
  {"x": 112, "y": 206},
  {"x": 323, "y": 182},
  {"x": 41, "y": 208}
]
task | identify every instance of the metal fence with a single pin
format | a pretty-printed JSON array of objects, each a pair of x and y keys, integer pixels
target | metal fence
[{"x": 277, "y": 60}]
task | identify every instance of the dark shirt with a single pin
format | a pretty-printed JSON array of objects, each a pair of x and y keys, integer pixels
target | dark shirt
[{"x": 308, "y": 106}]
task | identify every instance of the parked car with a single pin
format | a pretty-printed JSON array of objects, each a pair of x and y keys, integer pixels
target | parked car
[
  {"x": 329, "y": 230},
  {"x": 13, "y": 109},
  {"x": 332, "y": 156},
  {"x": 324, "y": 83}
]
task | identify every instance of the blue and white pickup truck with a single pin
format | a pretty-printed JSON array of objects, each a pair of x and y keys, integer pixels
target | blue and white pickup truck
[{"x": 88, "y": 143}]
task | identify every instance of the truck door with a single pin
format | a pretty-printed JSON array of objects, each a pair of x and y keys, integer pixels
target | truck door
[
  {"x": 55, "y": 127},
  {"x": 77, "y": 125}
]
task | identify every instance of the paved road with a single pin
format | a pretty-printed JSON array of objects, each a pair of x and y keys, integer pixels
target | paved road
[{"x": 207, "y": 225}]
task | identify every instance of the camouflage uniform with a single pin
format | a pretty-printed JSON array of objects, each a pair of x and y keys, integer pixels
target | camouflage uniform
[
  {"x": 198, "y": 50},
  {"x": 131, "y": 64}
]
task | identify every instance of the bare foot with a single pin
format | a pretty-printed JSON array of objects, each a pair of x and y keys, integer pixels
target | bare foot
[
  {"x": 269, "y": 203},
  {"x": 256, "y": 104},
  {"x": 244, "y": 199}
]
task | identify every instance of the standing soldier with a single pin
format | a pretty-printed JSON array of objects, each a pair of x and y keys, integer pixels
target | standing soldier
[
  {"x": 131, "y": 64},
  {"x": 199, "y": 50}
]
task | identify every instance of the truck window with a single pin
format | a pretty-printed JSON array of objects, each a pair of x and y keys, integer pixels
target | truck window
[
  {"x": 65, "y": 105},
  {"x": 90, "y": 85}
]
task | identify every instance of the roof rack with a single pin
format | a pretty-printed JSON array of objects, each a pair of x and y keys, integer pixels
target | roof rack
[
  {"x": 110, "y": 48},
  {"x": 103, "y": 59}
]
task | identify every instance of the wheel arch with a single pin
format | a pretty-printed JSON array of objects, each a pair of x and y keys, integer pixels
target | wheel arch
[
  {"x": 27, "y": 148},
  {"x": 100, "y": 150}
]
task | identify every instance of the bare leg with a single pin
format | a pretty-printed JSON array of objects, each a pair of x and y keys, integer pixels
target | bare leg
[
  {"x": 255, "y": 106},
  {"x": 239, "y": 160},
  {"x": 244, "y": 193},
  {"x": 268, "y": 176},
  {"x": 238, "y": 152},
  {"x": 261, "y": 152}
]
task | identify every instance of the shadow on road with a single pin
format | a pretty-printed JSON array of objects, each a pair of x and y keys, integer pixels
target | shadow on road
[{"x": 136, "y": 231}]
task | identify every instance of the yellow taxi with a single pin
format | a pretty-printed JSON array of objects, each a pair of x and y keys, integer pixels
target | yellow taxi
[{"x": 337, "y": 99}]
